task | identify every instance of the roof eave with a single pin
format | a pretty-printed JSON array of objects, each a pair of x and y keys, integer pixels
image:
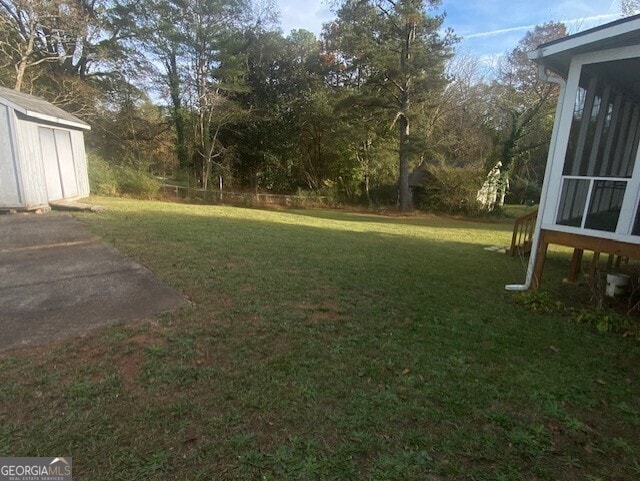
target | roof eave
[
  {"x": 56, "y": 120},
  {"x": 550, "y": 54}
]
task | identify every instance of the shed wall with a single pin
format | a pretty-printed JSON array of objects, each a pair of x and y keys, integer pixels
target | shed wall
[
  {"x": 80, "y": 159},
  {"x": 30, "y": 160},
  {"x": 9, "y": 184}
]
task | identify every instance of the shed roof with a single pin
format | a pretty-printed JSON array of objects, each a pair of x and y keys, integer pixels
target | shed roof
[
  {"x": 38, "y": 108},
  {"x": 557, "y": 55}
]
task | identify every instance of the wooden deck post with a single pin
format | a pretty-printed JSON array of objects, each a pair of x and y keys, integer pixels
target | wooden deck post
[
  {"x": 574, "y": 267},
  {"x": 579, "y": 243},
  {"x": 541, "y": 256},
  {"x": 594, "y": 263}
]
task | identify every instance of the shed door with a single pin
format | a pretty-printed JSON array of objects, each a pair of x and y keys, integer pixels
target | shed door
[{"x": 59, "y": 167}]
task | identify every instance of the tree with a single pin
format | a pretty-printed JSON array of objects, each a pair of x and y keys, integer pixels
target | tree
[
  {"x": 161, "y": 33},
  {"x": 289, "y": 141},
  {"x": 456, "y": 124},
  {"x": 31, "y": 34},
  {"x": 524, "y": 107},
  {"x": 132, "y": 131},
  {"x": 65, "y": 37},
  {"x": 396, "y": 48},
  {"x": 630, "y": 7},
  {"x": 198, "y": 44}
]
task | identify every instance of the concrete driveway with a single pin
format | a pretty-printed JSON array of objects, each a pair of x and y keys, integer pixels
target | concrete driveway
[{"x": 57, "y": 280}]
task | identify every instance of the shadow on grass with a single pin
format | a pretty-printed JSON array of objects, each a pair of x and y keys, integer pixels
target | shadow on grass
[{"x": 324, "y": 350}]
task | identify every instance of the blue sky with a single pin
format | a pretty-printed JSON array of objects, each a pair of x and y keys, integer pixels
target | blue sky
[{"x": 488, "y": 27}]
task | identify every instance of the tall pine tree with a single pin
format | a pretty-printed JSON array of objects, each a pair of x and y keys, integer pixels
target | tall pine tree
[{"x": 396, "y": 49}]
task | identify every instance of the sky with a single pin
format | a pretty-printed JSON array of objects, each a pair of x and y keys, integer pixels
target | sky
[{"x": 488, "y": 27}]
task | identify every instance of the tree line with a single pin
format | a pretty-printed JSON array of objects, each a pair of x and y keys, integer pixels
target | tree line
[{"x": 214, "y": 92}]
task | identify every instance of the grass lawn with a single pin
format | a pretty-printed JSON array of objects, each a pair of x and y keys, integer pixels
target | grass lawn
[{"x": 327, "y": 345}]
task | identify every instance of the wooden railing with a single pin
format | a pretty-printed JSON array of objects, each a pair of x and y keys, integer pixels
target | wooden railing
[{"x": 522, "y": 239}]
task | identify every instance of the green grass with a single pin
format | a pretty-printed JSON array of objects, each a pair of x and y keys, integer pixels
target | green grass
[
  {"x": 327, "y": 345},
  {"x": 517, "y": 210}
]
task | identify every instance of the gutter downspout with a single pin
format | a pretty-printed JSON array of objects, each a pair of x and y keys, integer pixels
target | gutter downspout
[{"x": 542, "y": 73}]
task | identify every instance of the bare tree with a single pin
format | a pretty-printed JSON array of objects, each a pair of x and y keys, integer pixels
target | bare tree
[
  {"x": 523, "y": 104},
  {"x": 215, "y": 113},
  {"x": 630, "y": 7},
  {"x": 29, "y": 37}
]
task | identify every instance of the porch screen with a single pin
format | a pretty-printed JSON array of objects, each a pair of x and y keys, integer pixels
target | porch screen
[{"x": 602, "y": 147}]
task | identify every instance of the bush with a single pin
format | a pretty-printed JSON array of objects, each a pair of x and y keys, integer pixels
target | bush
[
  {"x": 449, "y": 190},
  {"x": 109, "y": 179},
  {"x": 384, "y": 195},
  {"x": 136, "y": 183},
  {"x": 102, "y": 178},
  {"x": 523, "y": 191},
  {"x": 608, "y": 320}
]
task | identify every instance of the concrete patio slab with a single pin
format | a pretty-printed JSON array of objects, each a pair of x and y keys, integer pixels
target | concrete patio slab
[{"x": 57, "y": 280}]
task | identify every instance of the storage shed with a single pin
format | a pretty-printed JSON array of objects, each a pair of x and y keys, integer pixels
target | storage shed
[
  {"x": 591, "y": 192},
  {"x": 42, "y": 155}
]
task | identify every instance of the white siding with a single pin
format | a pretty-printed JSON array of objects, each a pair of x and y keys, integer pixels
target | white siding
[
  {"x": 33, "y": 179},
  {"x": 9, "y": 184},
  {"x": 23, "y": 183},
  {"x": 80, "y": 158}
]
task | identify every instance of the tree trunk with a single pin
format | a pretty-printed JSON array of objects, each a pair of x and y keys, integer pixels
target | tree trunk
[
  {"x": 21, "y": 66},
  {"x": 403, "y": 117},
  {"x": 405, "y": 191},
  {"x": 177, "y": 111},
  {"x": 367, "y": 172},
  {"x": 503, "y": 188}
]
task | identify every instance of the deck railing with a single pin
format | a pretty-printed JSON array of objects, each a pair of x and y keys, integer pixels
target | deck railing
[{"x": 522, "y": 240}]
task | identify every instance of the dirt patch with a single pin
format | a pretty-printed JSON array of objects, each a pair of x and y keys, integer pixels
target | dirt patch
[
  {"x": 129, "y": 366},
  {"x": 327, "y": 310}
]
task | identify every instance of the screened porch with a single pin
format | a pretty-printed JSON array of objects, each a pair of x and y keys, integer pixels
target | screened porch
[{"x": 591, "y": 192}]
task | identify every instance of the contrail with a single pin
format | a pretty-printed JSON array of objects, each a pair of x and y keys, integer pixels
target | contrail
[{"x": 573, "y": 21}]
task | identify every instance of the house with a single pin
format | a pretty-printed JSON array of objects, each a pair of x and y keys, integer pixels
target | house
[
  {"x": 42, "y": 155},
  {"x": 590, "y": 196}
]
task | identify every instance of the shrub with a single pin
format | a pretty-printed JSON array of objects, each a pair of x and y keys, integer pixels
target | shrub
[
  {"x": 102, "y": 178},
  {"x": 523, "y": 191},
  {"x": 108, "y": 179},
  {"x": 384, "y": 195},
  {"x": 449, "y": 190},
  {"x": 136, "y": 183},
  {"x": 539, "y": 301},
  {"x": 608, "y": 320},
  {"x": 324, "y": 197}
]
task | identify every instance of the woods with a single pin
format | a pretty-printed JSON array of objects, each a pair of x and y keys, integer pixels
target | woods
[{"x": 212, "y": 94}]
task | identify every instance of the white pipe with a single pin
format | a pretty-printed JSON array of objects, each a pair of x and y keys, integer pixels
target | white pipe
[{"x": 542, "y": 73}]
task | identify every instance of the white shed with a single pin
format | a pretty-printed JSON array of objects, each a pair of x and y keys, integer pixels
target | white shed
[
  {"x": 591, "y": 191},
  {"x": 42, "y": 155}
]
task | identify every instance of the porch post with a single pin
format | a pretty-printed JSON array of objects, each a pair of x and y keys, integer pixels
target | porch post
[{"x": 541, "y": 256}]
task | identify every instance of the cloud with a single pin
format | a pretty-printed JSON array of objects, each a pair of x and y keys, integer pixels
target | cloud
[{"x": 309, "y": 15}]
